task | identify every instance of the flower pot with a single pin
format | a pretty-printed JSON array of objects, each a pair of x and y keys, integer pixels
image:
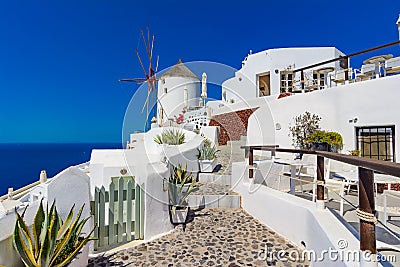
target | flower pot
[
  {"x": 179, "y": 216},
  {"x": 334, "y": 148},
  {"x": 207, "y": 165},
  {"x": 320, "y": 146}
]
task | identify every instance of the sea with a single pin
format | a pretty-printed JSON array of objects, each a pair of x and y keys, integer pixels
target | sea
[{"x": 20, "y": 164}]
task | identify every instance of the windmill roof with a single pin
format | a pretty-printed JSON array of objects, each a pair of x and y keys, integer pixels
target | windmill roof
[{"x": 180, "y": 70}]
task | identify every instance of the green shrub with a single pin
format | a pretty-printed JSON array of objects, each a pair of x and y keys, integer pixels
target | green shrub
[
  {"x": 318, "y": 136},
  {"x": 304, "y": 126},
  {"x": 335, "y": 139},
  {"x": 332, "y": 138},
  {"x": 52, "y": 242}
]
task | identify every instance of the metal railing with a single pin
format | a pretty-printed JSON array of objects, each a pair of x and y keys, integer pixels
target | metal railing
[{"x": 366, "y": 168}]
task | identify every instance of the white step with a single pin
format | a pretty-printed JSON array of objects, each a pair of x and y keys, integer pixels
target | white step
[
  {"x": 214, "y": 201},
  {"x": 222, "y": 179}
]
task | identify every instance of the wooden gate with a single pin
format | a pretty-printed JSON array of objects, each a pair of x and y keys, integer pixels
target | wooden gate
[{"x": 118, "y": 213}]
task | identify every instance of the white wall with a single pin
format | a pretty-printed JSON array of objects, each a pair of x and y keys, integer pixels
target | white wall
[
  {"x": 173, "y": 101},
  {"x": 374, "y": 103},
  {"x": 156, "y": 221},
  {"x": 69, "y": 187}
]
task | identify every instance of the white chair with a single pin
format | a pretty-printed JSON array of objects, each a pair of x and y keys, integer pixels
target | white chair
[
  {"x": 308, "y": 172},
  {"x": 275, "y": 177},
  {"x": 367, "y": 72},
  {"x": 392, "y": 65},
  {"x": 339, "y": 76},
  {"x": 341, "y": 175},
  {"x": 310, "y": 83},
  {"x": 337, "y": 176},
  {"x": 386, "y": 194}
]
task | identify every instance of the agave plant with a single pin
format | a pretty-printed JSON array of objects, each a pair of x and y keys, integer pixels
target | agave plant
[
  {"x": 52, "y": 241},
  {"x": 180, "y": 174},
  {"x": 158, "y": 139},
  {"x": 170, "y": 137},
  {"x": 207, "y": 152},
  {"x": 177, "y": 191}
]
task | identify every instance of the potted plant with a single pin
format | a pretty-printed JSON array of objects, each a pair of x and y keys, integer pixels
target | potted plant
[
  {"x": 319, "y": 141},
  {"x": 207, "y": 157},
  {"x": 58, "y": 241},
  {"x": 168, "y": 137},
  {"x": 335, "y": 141},
  {"x": 304, "y": 126},
  {"x": 181, "y": 185},
  {"x": 326, "y": 141},
  {"x": 355, "y": 152},
  {"x": 181, "y": 174}
]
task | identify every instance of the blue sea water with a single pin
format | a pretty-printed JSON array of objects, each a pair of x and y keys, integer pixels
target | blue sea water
[{"x": 20, "y": 164}]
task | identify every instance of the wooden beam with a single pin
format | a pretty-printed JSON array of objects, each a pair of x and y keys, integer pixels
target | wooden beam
[{"x": 320, "y": 177}]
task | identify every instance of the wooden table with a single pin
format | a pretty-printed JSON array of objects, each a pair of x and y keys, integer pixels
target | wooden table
[
  {"x": 377, "y": 60},
  {"x": 325, "y": 71}
]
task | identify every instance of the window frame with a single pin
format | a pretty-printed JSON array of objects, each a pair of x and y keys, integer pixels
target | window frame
[{"x": 389, "y": 139}]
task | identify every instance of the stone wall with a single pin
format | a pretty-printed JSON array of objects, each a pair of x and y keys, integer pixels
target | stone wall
[{"x": 232, "y": 125}]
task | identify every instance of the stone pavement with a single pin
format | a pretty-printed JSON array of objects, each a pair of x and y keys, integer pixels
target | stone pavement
[{"x": 212, "y": 237}]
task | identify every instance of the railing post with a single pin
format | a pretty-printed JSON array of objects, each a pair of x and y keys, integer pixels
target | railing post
[
  {"x": 321, "y": 179},
  {"x": 250, "y": 163},
  {"x": 367, "y": 229},
  {"x": 302, "y": 80},
  {"x": 10, "y": 193}
]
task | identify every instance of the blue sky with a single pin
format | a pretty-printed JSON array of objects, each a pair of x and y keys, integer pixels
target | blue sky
[{"x": 61, "y": 60}]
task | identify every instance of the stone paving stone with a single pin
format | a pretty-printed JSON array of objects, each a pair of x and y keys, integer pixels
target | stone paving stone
[{"x": 213, "y": 237}]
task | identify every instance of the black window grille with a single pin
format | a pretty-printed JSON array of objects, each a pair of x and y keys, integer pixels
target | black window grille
[{"x": 376, "y": 142}]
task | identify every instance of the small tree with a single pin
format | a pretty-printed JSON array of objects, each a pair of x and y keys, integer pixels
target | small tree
[{"x": 304, "y": 126}]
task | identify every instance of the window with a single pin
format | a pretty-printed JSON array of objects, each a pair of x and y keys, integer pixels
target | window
[
  {"x": 319, "y": 79},
  {"x": 287, "y": 81},
  {"x": 376, "y": 142},
  {"x": 165, "y": 90}
]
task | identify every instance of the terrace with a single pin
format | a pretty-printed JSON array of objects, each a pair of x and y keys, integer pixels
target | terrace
[{"x": 322, "y": 75}]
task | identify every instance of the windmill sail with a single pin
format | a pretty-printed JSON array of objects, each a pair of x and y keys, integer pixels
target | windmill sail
[{"x": 150, "y": 73}]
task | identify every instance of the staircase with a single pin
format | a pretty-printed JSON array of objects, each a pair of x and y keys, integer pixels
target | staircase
[{"x": 214, "y": 189}]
